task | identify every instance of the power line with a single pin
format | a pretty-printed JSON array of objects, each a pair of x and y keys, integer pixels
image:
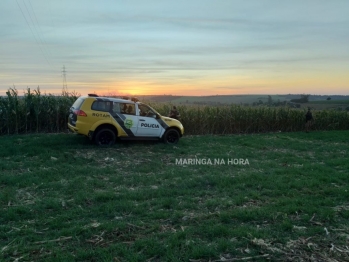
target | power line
[
  {"x": 36, "y": 40},
  {"x": 35, "y": 29},
  {"x": 37, "y": 22},
  {"x": 36, "y": 19}
]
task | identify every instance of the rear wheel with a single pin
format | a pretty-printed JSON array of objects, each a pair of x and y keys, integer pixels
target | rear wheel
[
  {"x": 171, "y": 136},
  {"x": 105, "y": 137}
]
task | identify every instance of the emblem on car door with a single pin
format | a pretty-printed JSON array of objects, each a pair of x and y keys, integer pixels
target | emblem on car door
[{"x": 128, "y": 123}]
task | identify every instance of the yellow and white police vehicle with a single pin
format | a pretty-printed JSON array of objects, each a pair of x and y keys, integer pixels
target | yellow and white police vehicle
[{"x": 104, "y": 120}]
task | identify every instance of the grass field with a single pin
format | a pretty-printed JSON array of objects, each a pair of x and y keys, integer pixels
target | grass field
[
  {"x": 331, "y": 102},
  {"x": 234, "y": 99},
  {"x": 64, "y": 199},
  {"x": 328, "y": 105}
]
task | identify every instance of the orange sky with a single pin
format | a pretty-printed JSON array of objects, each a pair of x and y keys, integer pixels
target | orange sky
[{"x": 298, "y": 83}]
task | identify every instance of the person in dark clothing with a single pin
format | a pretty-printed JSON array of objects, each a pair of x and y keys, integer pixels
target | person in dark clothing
[
  {"x": 174, "y": 113},
  {"x": 308, "y": 120},
  {"x": 130, "y": 110},
  {"x": 124, "y": 109}
]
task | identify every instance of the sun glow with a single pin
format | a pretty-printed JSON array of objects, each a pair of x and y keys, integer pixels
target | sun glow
[{"x": 220, "y": 84}]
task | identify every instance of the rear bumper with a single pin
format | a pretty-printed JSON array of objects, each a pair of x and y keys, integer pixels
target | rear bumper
[{"x": 72, "y": 128}]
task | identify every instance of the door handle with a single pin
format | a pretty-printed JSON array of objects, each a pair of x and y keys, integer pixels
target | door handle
[{"x": 141, "y": 120}]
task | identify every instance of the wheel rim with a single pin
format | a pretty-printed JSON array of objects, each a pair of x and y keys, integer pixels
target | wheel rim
[
  {"x": 172, "y": 137},
  {"x": 105, "y": 138}
]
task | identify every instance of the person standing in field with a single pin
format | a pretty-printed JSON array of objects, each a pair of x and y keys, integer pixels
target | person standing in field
[
  {"x": 174, "y": 113},
  {"x": 308, "y": 120}
]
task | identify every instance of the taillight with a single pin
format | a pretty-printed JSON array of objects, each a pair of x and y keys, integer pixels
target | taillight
[{"x": 79, "y": 112}]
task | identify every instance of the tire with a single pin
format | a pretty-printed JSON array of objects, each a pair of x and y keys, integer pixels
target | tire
[
  {"x": 105, "y": 137},
  {"x": 171, "y": 136}
]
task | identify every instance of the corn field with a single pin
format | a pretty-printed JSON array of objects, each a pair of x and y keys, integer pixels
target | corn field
[
  {"x": 235, "y": 119},
  {"x": 35, "y": 112}
]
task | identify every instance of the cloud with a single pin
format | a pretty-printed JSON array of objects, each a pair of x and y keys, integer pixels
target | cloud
[{"x": 165, "y": 41}]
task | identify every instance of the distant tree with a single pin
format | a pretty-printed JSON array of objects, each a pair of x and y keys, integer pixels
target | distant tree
[
  {"x": 304, "y": 99},
  {"x": 328, "y": 98},
  {"x": 270, "y": 100}
]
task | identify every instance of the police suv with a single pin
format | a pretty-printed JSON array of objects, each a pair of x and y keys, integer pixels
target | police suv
[{"x": 104, "y": 119}]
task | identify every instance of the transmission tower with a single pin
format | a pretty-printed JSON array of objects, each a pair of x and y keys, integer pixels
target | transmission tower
[{"x": 65, "y": 87}]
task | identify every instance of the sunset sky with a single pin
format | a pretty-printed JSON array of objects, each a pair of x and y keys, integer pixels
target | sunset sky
[{"x": 192, "y": 47}]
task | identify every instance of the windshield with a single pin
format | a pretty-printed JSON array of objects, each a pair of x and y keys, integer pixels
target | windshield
[{"x": 141, "y": 104}]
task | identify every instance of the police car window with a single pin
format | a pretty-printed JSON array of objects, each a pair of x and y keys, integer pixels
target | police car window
[
  {"x": 101, "y": 106},
  {"x": 116, "y": 107},
  {"x": 128, "y": 109},
  {"x": 77, "y": 104},
  {"x": 146, "y": 111}
]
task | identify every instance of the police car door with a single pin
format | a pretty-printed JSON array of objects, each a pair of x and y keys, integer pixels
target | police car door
[
  {"x": 147, "y": 122},
  {"x": 124, "y": 115}
]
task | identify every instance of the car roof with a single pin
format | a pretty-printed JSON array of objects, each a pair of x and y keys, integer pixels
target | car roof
[{"x": 120, "y": 100}]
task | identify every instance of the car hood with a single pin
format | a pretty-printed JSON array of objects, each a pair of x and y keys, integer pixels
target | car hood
[{"x": 165, "y": 118}]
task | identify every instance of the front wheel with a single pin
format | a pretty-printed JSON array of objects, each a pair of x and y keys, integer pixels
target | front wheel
[
  {"x": 171, "y": 136},
  {"x": 105, "y": 137}
]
